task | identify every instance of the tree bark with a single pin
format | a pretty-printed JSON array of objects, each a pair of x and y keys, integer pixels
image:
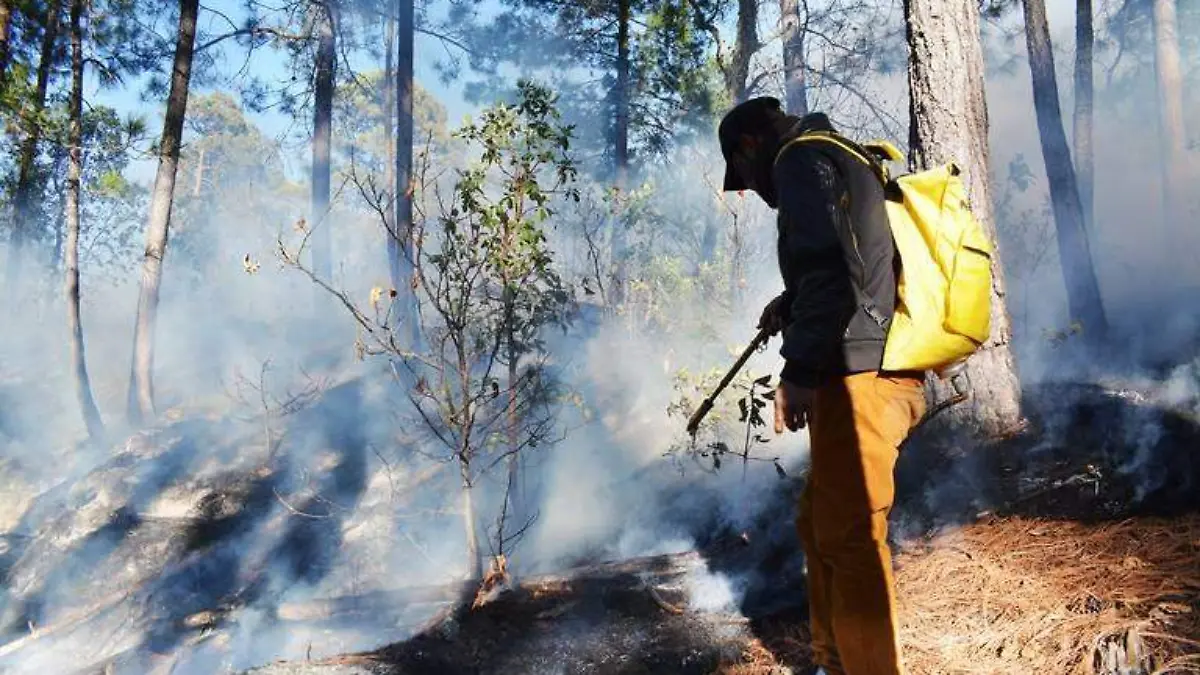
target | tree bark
[
  {"x": 83, "y": 387},
  {"x": 23, "y": 220},
  {"x": 621, "y": 147},
  {"x": 389, "y": 172},
  {"x": 794, "y": 19},
  {"x": 5, "y": 23},
  {"x": 621, "y": 99},
  {"x": 949, "y": 122},
  {"x": 323, "y": 85},
  {"x": 738, "y": 72},
  {"x": 1085, "y": 160},
  {"x": 1170, "y": 100},
  {"x": 141, "y": 388},
  {"x": 474, "y": 553},
  {"x": 405, "y": 260},
  {"x": 1075, "y": 256},
  {"x": 515, "y": 492}
]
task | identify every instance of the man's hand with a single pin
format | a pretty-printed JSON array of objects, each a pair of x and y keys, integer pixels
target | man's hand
[
  {"x": 793, "y": 406},
  {"x": 774, "y": 315}
]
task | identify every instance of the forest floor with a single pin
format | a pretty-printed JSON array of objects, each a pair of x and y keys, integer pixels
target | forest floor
[
  {"x": 1064, "y": 550},
  {"x": 1086, "y": 561},
  {"x": 1013, "y": 595}
]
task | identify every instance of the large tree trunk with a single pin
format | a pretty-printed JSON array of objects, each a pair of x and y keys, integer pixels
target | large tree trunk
[
  {"x": 141, "y": 388},
  {"x": 738, "y": 71},
  {"x": 794, "y": 20},
  {"x": 1075, "y": 256},
  {"x": 949, "y": 122},
  {"x": 1170, "y": 101},
  {"x": 620, "y": 100},
  {"x": 1085, "y": 40},
  {"x": 323, "y": 84},
  {"x": 24, "y": 220},
  {"x": 5, "y": 23},
  {"x": 83, "y": 386},
  {"x": 403, "y": 220}
]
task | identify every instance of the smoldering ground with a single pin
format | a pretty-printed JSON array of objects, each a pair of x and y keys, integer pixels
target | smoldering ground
[{"x": 212, "y": 538}]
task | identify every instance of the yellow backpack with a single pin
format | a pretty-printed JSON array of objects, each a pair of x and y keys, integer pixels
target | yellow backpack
[{"x": 943, "y": 309}]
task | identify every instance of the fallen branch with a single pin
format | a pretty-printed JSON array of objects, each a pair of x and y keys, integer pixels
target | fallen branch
[
  {"x": 658, "y": 600},
  {"x": 374, "y": 602}
]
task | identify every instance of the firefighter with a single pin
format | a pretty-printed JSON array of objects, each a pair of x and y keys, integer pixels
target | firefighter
[{"x": 837, "y": 261}]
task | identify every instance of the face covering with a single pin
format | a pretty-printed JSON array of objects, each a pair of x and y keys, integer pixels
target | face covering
[{"x": 785, "y": 129}]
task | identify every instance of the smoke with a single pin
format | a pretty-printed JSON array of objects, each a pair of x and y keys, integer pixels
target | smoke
[{"x": 236, "y": 517}]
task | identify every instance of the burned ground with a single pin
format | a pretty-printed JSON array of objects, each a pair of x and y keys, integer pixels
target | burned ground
[
  {"x": 197, "y": 544},
  {"x": 1063, "y": 542}
]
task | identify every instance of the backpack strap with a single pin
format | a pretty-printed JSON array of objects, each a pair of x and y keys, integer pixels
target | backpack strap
[{"x": 855, "y": 150}]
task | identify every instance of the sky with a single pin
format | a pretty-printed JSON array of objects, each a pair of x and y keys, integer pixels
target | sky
[{"x": 267, "y": 64}]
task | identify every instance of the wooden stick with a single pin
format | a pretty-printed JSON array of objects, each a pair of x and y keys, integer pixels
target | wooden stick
[{"x": 694, "y": 423}]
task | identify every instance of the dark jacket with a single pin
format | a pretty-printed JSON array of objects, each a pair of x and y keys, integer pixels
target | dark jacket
[{"x": 837, "y": 258}]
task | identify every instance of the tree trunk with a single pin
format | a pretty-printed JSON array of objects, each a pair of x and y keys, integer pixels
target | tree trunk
[
  {"x": 1170, "y": 101},
  {"x": 1083, "y": 293},
  {"x": 948, "y": 121},
  {"x": 198, "y": 184},
  {"x": 323, "y": 83},
  {"x": 474, "y": 553},
  {"x": 23, "y": 220},
  {"x": 5, "y": 23},
  {"x": 621, "y": 148},
  {"x": 141, "y": 388},
  {"x": 403, "y": 222},
  {"x": 794, "y": 31},
  {"x": 388, "y": 87},
  {"x": 738, "y": 72},
  {"x": 1085, "y": 40},
  {"x": 83, "y": 386},
  {"x": 514, "y": 494}
]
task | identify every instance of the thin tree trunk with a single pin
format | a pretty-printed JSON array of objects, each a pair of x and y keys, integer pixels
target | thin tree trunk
[
  {"x": 474, "y": 553},
  {"x": 5, "y": 23},
  {"x": 1085, "y": 160},
  {"x": 1075, "y": 256},
  {"x": 406, "y": 288},
  {"x": 621, "y": 100},
  {"x": 621, "y": 147},
  {"x": 23, "y": 220},
  {"x": 794, "y": 17},
  {"x": 514, "y": 492},
  {"x": 1170, "y": 100},
  {"x": 141, "y": 387},
  {"x": 466, "y": 421},
  {"x": 198, "y": 184},
  {"x": 949, "y": 122},
  {"x": 323, "y": 84},
  {"x": 388, "y": 87},
  {"x": 736, "y": 74},
  {"x": 83, "y": 387}
]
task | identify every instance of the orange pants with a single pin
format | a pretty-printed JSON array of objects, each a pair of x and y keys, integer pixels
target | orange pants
[{"x": 857, "y": 425}]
